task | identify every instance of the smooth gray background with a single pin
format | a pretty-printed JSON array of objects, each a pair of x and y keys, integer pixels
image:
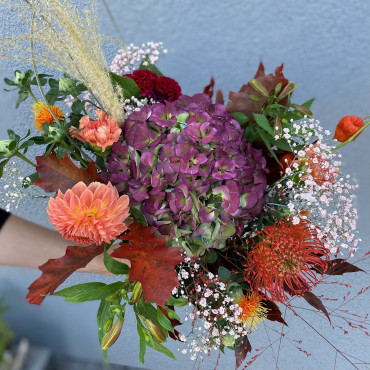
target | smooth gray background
[{"x": 325, "y": 46}]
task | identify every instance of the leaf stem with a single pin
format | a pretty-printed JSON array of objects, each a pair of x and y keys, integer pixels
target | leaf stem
[{"x": 24, "y": 158}]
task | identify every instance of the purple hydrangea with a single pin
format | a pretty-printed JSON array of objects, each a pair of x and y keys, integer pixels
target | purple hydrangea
[{"x": 189, "y": 170}]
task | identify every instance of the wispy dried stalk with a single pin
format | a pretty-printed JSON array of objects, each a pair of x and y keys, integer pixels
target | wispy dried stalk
[{"x": 67, "y": 40}]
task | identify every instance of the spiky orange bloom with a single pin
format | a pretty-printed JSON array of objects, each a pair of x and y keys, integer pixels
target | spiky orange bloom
[
  {"x": 253, "y": 311},
  {"x": 43, "y": 115},
  {"x": 89, "y": 214},
  {"x": 284, "y": 259}
]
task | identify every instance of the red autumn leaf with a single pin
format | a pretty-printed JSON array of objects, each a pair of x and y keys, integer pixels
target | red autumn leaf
[
  {"x": 241, "y": 102},
  {"x": 273, "y": 313},
  {"x": 209, "y": 88},
  {"x": 61, "y": 173},
  {"x": 340, "y": 266},
  {"x": 241, "y": 351},
  {"x": 55, "y": 271},
  {"x": 152, "y": 263},
  {"x": 315, "y": 302}
]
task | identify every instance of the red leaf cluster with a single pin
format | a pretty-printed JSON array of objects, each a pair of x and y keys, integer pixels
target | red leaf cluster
[
  {"x": 152, "y": 263},
  {"x": 55, "y": 271},
  {"x": 241, "y": 101},
  {"x": 61, "y": 173}
]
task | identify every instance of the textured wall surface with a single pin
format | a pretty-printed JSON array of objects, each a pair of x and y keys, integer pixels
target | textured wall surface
[{"x": 325, "y": 46}]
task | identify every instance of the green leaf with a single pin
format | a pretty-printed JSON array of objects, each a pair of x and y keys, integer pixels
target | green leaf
[
  {"x": 33, "y": 177},
  {"x": 163, "y": 320},
  {"x": 178, "y": 302},
  {"x": 97, "y": 294},
  {"x": 171, "y": 313},
  {"x": 142, "y": 348},
  {"x": 21, "y": 98},
  {"x": 223, "y": 273},
  {"x": 127, "y": 84},
  {"x": 9, "y": 82},
  {"x": 12, "y": 145},
  {"x": 77, "y": 107},
  {"x": 266, "y": 140},
  {"x": 12, "y": 135},
  {"x": 138, "y": 216},
  {"x": 26, "y": 144},
  {"x": 308, "y": 103},
  {"x": 114, "y": 266},
  {"x": 161, "y": 348},
  {"x": 281, "y": 144},
  {"x": 79, "y": 289},
  {"x": 2, "y": 166},
  {"x": 102, "y": 317},
  {"x": 146, "y": 310},
  {"x": 240, "y": 117},
  {"x": 262, "y": 121},
  {"x": 150, "y": 67}
]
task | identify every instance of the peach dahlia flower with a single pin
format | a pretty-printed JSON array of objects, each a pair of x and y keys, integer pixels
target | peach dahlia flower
[
  {"x": 89, "y": 214},
  {"x": 102, "y": 133}
]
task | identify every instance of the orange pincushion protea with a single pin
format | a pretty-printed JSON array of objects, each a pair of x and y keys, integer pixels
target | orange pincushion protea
[
  {"x": 89, "y": 214},
  {"x": 43, "y": 114},
  {"x": 253, "y": 311},
  {"x": 284, "y": 259}
]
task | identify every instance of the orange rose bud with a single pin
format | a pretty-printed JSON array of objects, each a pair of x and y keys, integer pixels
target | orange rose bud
[{"x": 347, "y": 127}]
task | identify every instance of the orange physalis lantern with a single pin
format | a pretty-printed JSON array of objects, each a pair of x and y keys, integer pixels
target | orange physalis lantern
[{"x": 347, "y": 127}]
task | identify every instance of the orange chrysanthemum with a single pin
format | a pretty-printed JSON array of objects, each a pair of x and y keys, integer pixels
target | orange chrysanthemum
[
  {"x": 253, "y": 311},
  {"x": 284, "y": 259},
  {"x": 43, "y": 114},
  {"x": 89, "y": 214}
]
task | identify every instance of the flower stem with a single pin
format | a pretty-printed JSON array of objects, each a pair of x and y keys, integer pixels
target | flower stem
[
  {"x": 353, "y": 137},
  {"x": 21, "y": 156}
]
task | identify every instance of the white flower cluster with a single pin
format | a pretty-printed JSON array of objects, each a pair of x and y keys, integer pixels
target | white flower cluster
[
  {"x": 13, "y": 188},
  {"x": 127, "y": 59},
  {"x": 313, "y": 188},
  {"x": 214, "y": 315}
]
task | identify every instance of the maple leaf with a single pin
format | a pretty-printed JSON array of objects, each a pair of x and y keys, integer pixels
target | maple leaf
[
  {"x": 152, "y": 263},
  {"x": 55, "y": 271},
  {"x": 61, "y": 173},
  {"x": 241, "y": 101}
]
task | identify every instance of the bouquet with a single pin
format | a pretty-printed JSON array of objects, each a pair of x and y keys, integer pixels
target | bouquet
[{"x": 229, "y": 209}]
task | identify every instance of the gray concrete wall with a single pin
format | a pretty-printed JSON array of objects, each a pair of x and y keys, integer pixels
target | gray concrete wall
[{"x": 325, "y": 46}]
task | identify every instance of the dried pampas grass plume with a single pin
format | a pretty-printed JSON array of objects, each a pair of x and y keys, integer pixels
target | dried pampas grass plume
[{"x": 66, "y": 40}]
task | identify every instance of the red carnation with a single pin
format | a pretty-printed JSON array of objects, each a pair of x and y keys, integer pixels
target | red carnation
[
  {"x": 144, "y": 79},
  {"x": 166, "y": 88},
  {"x": 153, "y": 87}
]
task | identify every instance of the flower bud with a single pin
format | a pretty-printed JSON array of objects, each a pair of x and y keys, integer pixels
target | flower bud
[
  {"x": 303, "y": 110},
  {"x": 259, "y": 88},
  {"x": 347, "y": 127},
  {"x": 8, "y": 148},
  {"x": 278, "y": 128},
  {"x": 112, "y": 335},
  {"x": 137, "y": 292},
  {"x": 288, "y": 89},
  {"x": 158, "y": 334}
]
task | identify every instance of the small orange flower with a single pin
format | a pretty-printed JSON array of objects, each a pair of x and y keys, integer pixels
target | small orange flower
[
  {"x": 43, "y": 114},
  {"x": 89, "y": 214},
  {"x": 102, "y": 133},
  {"x": 347, "y": 127},
  {"x": 253, "y": 311}
]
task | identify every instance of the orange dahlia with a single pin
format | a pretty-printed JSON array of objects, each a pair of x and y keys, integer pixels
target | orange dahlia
[
  {"x": 89, "y": 214},
  {"x": 284, "y": 260},
  {"x": 43, "y": 114},
  {"x": 252, "y": 310}
]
